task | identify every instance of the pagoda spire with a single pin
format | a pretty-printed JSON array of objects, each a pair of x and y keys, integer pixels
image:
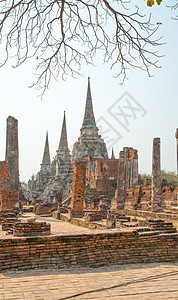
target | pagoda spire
[
  {"x": 112, "y": 154},
  {"x": 63, "y": 144},
  {"x": 89, "y": 118},
  {"x": 46, "y": 154}
]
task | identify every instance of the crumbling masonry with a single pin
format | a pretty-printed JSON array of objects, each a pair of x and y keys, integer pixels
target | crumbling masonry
[{"x": 156, "y": 175}]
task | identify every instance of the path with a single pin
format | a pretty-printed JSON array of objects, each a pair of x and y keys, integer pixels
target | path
[{"x": 138, "y": 281}]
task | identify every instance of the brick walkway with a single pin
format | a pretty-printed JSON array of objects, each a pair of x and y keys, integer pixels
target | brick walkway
[{"x": 139, "y": 281}]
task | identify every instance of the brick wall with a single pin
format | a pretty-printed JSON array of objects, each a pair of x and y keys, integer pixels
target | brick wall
[
  {"x": 4, "y": 175},
  {"x": 78, "y": 189},
  {"x": 150, "y": 214},
  {"x": 8, "y": 198},
  {"x": 12, "y": 152},
  {"x": 87, "y": 250},
  {"x": 31, "y": 228}
]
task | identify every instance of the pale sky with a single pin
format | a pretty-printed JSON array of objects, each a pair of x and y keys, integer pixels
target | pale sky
[{"x": 155, "y": 102}]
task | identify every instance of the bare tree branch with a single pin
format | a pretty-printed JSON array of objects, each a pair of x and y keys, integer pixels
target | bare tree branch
[{"x": 65, "y": 34}]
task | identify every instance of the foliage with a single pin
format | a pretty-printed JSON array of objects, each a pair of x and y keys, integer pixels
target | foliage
[
  {"x": 62, "y": 35},
  {"x": 145, "y": 176},
  {"x": 171, "y": 177},
  {"x": 152, "y": 2}
]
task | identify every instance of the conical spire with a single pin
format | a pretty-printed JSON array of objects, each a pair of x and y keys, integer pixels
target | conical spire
[
  {"x": 112, "y": 155},
  {"x": 63, "y": 144},
  {"x": 89, "y": 119},
  {"x": 46, "y": 154}
]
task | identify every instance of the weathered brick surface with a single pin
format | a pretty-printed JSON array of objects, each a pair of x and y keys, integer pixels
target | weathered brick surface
[
  {"x": 31, "y": 228},
  {"x": 44, "y": 208},
  {"x": 8, "y": 198},
  {"x": 101, "y": 173},
  {"x": 12, "y": 152},
  {"x": 87, "y": 250},
  {"x": 4, "y": 175},
  {"x": 6, "y": 214},
  {"x": 78, "y": 189},
  {"x": 156, "y": 176},
  {"x": 149, "y": 214}
]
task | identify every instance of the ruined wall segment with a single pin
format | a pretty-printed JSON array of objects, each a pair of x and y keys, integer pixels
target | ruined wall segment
[
  {"x": 12, "y": 152},
  {"x": 130, "y": 157},
  {"x": 127, "y": 176},
  {"x": 156, "y": 175},
  {"x": 8, "y": 198},
  {"x": 4, "y": 175},
  {"x": 78, "y": 189},
  {"x": 120, "y": 194}
]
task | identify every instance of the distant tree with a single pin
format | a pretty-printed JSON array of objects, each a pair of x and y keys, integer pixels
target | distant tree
[
  {"x": 62, "y": 35},
  {"x": 171, "y": 177}
]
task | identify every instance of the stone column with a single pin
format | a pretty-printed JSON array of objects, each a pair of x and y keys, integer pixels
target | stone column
[
  {"x": 131, "y": 166},
  {"x": 12, "y": 152},
  {"x": 78, "y": 189},
  {"x": 176, "y": 135},
  {"x": 121, "y": 181},
  {"x": 134, "y": 168},
  {"x": 156, "y": 176}
]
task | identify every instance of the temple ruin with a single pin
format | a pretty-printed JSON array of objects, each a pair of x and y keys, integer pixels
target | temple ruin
[{"x": 88, "y": 189}]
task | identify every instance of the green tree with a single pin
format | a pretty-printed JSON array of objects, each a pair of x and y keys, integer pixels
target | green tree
[{"x": 171, "y": 177}]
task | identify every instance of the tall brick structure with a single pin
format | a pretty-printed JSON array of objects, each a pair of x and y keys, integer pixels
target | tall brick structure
[
  {"x": 121, "y": 181},
  {"x": 78, "y": 189},
  {"x": 176, "y": 135},
  {"x": 90, "y": 142},
  {"x": 8, "y": 198},
  {"x": 12, "y": 152},
  {"x": 127, "y": 176},
  {"x": 130, "y": 157},
  {"x": 156, "y": 175}
]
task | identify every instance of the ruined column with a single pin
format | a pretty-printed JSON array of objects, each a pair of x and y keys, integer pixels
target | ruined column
[
  {"x": 156, "y": 176},
  {"x": 134, "y": 168},
  {"x": 176, "y": 135},
  {"x": 78, "y": 189},
  {"x": 121, "y": 181},
  {"x": 131, "y": 166},
  {"x": 12, "y": 152}
]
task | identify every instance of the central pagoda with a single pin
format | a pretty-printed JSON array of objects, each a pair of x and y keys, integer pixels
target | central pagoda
[{"x": 90, "y": 142}]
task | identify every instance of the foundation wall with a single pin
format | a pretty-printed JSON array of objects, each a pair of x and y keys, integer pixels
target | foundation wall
[{"x": 87, "y": 250}]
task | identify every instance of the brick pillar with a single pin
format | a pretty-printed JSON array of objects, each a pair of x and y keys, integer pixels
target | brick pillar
[
  {"x": 12, "y": 152},
  {"x": 7, "y": 197},
  {"x": 131, "y": 166},
  {"x": 134, "y": 168},
  {"x": 176, "y": 135},
  {"x": 156, "y": 175},
  {"x": 78, "y": 189},
  {"x": 121, "y": 181}
]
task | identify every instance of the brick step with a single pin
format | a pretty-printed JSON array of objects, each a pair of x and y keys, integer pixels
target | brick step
[{"x": 130, "y": 224}]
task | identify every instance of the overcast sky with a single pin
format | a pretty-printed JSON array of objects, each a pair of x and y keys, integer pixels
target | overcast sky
[{"x": 150, "y": 106}]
